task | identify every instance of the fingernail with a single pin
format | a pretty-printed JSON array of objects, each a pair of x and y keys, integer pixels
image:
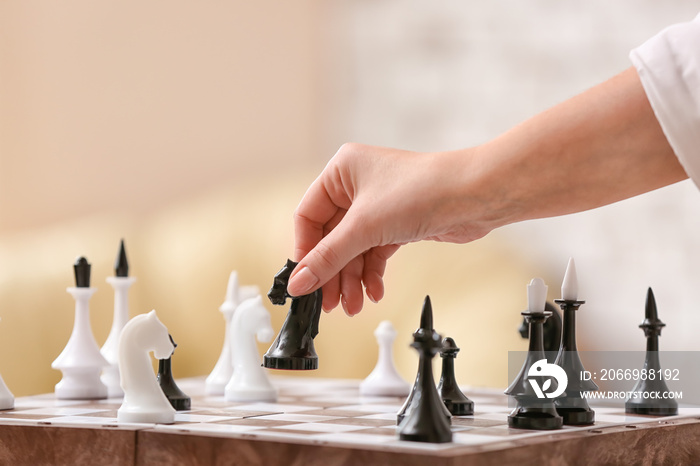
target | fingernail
[
  {"x": 371, "y": 297},
  {"x": 301, "y": 283},
  {"x": 345, "y": 307}
]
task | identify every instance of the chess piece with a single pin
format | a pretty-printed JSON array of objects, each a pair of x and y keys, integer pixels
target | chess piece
[
  {"x": 535, "y": 409},
  {"x": 221, "y": 374},
  {"x": 293, "y": 348},
  {"x": 249, "y": 381},
  {"x": 144, "y": 400},
  {"x": 414, "y": 395},
  {"x": 423, "y": 417},
  {"x": 571, "y": 406},
  {"x": 178, "y": 399},
  {"x": 455, "y": 400},
  {"x": 384, "y": 380},
  {"x": 637, "y": 403},
  {"x": 121, "y": 282},
  {"x": 7, "y": 399},
  {"x": 81, "y": 361},
  {"x": 552, "y": 332}
]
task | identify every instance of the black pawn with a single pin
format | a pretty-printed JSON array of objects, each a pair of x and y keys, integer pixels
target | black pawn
[
  {"x": 571, "y": 406},
  {"x": 175, "y": 396},
  {"x": 121, "y": 265},
  {"x": 425, "y": 418},
  {"x": 82, "y": 272},
  {"x": 530, "y": 411},
  {"x": 455, "y": 401},
  {"x": 638, "y": 403}
]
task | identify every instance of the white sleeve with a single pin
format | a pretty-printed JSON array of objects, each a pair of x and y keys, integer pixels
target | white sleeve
[{"x": 668, "y": 65}]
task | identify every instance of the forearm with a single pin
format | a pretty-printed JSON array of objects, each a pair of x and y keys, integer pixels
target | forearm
[{"x": 597, "y": 148}]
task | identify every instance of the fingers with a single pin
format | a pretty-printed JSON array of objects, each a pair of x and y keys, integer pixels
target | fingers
[
  {"x": 332, "y": 253},
  {"x": 331, "y": 293},
  {"x": 331, "y": 290},
  {"x": 351, "y": 286},
  {"x": 322, "y": 206},
  {"x": 313, "y": 212},
  {"x": 374, "y": 266},
  {"x": 346, "y": 287},
  {"x": 334, "y": 230}
]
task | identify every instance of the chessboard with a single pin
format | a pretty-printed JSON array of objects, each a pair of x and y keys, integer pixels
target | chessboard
[{"x": 325, "y": 421}]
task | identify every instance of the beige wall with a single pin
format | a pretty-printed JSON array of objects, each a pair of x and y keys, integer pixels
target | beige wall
[{"x": 128, "y": 106}]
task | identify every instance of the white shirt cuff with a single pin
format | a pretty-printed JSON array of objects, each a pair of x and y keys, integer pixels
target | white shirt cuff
[{"x": 668, "y": 65}]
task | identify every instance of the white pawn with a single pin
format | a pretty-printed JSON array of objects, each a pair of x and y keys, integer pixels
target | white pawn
[
  {"x": 221, "y": 374},
  {"x": 384, "y": 380},
  {"x": 7, "y": 399},
  {"x": 81, "y": 361},
  {"x": 144, "y": 400},
  {"x": 249, "y": 381},
  {"x": 121, "y": 283}
]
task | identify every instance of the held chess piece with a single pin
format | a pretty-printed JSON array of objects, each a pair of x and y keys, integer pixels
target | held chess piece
[
  {"x": 293, "y": 348},
  {"x": 221, "y": 374},
  {"x": 81, "y": 361},
  {"x": 455, "y": 400},
  {"x": 384, "y": 380},
  {"x": 638, "y": 403},
  {"x": 571, "y": 406},
  {"x": 121, "y": 282},
  {"x": 552, "y": 332},
  {"x": 144, "y": 400},
  {"x": 249, "y": 381},
  {"x": 535, "y": 409},
  {"x": 177, "y": 398},
  {"x": 423, "y": 417}
]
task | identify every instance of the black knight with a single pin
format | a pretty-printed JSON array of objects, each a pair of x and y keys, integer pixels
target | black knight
[{"x": 293, "y": 349}]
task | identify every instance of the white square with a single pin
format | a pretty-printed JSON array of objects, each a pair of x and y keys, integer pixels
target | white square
[
  {"x": 187, "y": 417},
  {"x": 65, "y": 411},
  {"x": 355, "y": 438},
  {"x": 380, "y": 416},
  {"x": 210, "y": 428},
  {"x": 293, "y": 417},
  {"x": 323, "y": 428},
  {"x": 269, "y": 408},
  {"x": 84, "y": 420},
  {"x": 476, "y": 439},
  {"x": 373, "y": 408}
]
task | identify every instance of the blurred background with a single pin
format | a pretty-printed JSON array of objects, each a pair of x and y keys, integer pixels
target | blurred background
[{"x": 192, "y": 129}]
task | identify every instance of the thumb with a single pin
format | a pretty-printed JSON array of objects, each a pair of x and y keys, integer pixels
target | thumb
[{"x": 328, "y": 257}]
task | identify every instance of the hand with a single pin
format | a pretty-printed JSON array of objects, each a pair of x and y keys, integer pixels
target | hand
[{"x": 366, "y": 203}]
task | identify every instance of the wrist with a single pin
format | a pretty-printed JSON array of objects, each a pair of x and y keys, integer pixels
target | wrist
[{"x": 475, "y": 198}]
